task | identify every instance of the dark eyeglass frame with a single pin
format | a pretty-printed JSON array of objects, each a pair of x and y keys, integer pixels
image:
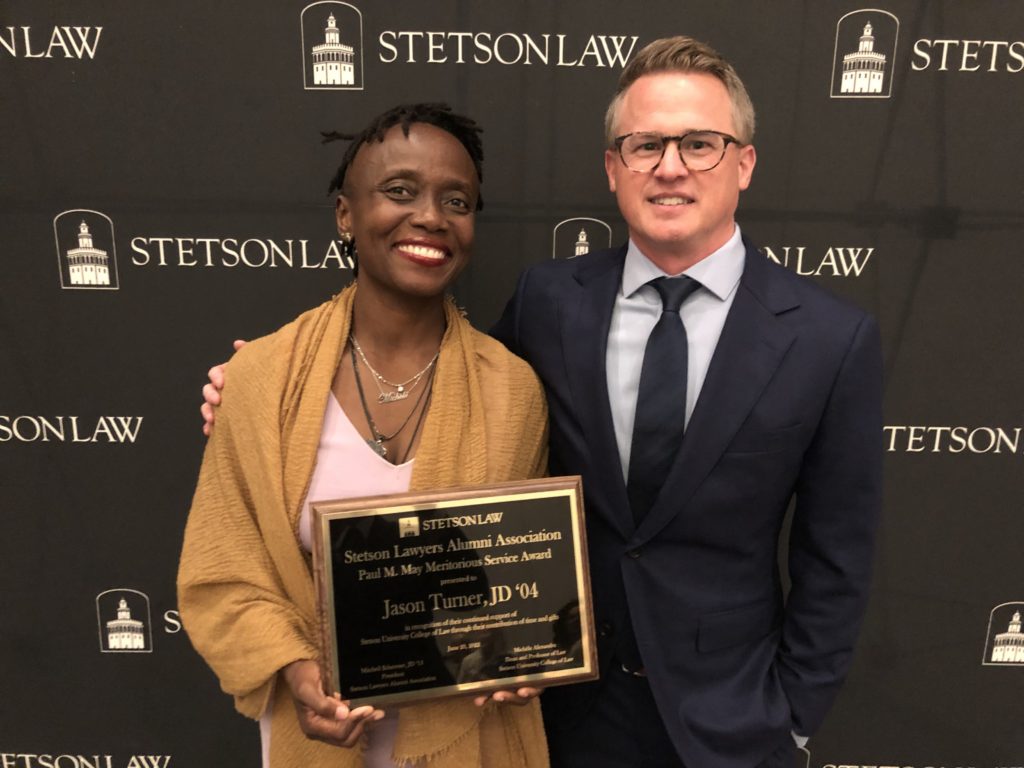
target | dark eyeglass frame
[{"x": 679, "y": 148}]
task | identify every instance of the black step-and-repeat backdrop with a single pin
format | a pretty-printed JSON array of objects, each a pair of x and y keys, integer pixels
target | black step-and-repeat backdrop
[{"x": 162, "y": 191}]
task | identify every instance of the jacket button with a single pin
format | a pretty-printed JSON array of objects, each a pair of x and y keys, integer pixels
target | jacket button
[
  {"x": 634, "y": 553},
  {"x": 604, "y": 629}
]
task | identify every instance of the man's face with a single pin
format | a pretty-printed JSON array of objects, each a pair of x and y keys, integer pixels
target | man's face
[{"x": 677, "y": 216}]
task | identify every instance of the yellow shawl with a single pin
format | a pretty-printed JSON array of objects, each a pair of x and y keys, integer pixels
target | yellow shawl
[{"x": 245, "y": 589}]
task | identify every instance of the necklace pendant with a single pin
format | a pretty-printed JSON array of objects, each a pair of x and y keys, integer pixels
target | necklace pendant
[
  {"x": 392, "y": 397},
  {"x": 378, "y": 447}
]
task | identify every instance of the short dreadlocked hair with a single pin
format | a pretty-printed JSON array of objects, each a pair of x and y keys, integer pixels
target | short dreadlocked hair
[{"x": 464, "y": 129}]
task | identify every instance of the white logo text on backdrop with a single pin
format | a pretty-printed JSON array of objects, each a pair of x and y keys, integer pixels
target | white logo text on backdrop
[
  {"x": 968, "y": 55},
  {"x": 57, "y": 42},
  {"x": 921, "y": 438},
  {"x": 69, "y": 429},
  {"x": 508, "y": 48},
  {"x": 78, "y": 760},
  {"x": 838, "y": 261}
]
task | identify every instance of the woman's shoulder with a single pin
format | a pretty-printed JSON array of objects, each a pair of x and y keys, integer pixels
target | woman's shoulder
[
  {"x": 494, "y": 359},
  {"x": 272, "y": 358}
]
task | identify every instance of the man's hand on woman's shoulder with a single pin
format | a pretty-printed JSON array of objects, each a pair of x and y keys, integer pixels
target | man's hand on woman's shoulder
[{"x": 211, "y": 391}]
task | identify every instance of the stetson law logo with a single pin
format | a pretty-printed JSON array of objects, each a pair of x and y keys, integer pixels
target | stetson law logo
[
  {"x": 835, "y": 261},
  {"x": 926, "y": 438},
  {"x": 27, "y": 428},
  {"x": 124, "y": 621},
  {"x": 80, "y": 760},
  {"x": 968, "y": 55},
  {"x": 86, "y": 255},
  {"x": 864, "y": 55},
  {"x": 578, "y": 237},
  {"x": 1004, "y": 643},
  {"x": 332, "y": 46},
  {"x": 408, "y": 527},
  {"x": 57, "y": 42},
  {"x": 87, "y": 258},
  {"x": 504, "y": 48}
]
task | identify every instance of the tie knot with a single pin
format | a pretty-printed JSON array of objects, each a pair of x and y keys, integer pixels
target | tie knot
[{"x": 674, "y": 290}]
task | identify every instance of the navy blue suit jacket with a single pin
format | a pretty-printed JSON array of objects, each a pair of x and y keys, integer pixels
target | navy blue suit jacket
[{"x": 790, "y": 408}]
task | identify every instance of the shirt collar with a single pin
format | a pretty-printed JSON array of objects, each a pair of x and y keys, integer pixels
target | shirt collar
[{"x": 719, "y": 273}]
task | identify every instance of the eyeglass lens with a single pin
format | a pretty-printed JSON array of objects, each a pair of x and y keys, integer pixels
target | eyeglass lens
[{"x": 699, "y": 151}]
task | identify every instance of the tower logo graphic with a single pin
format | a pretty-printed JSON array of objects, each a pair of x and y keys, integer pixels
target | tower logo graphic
[
  {"x": 578, "y": 237},
  {"x": 408, "y": 527},
  {"x": 86, "y": 256},
  {"x": 1004, "y": 644},
  {"x": 332, "y": 46},
  {"x": 124, "y": 621},
  {"x": 864, "y": 55}
]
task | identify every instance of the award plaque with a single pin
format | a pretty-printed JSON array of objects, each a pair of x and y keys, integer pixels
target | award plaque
[{"x": 427, "y": 595}]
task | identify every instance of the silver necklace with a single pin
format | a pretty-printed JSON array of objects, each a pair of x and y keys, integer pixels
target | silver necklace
[
  {"x": 379, "y": 438},
  {"x": 401, "y": 390}
]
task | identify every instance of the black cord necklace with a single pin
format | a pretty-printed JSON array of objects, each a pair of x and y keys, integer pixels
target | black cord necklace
[
  {"x": 379, "y": 438},
  {"x": 419, "y": 421}
]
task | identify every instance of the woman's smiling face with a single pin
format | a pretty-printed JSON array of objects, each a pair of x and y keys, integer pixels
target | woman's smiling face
[{"x": 409, "y": 202}]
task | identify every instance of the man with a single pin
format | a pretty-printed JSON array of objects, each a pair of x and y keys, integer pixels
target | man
[
  {"x": 778, "y": 388},
  {"x": 703, "y": 663}
]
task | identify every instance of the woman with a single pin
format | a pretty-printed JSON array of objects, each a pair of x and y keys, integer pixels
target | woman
[{"x": 385, "y": 388}]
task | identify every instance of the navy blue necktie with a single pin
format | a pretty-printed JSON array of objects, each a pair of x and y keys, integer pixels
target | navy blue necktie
[{"x": 661, "y": 401}]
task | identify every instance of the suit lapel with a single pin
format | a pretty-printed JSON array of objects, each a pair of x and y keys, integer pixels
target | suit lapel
[
  {"x": 750, "y": 349},
  {"x": 585, "y": 318}
]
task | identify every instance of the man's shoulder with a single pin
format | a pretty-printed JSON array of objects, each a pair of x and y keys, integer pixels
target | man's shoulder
[
  {"x": 495, "y": 362},
  {"x": 776, "y": 284},
  {"x": 549, "y": 281},
  {"x": 578, "y": 265}
]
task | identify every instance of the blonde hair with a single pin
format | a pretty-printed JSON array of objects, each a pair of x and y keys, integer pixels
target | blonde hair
[{"x": 684, "y": 54}]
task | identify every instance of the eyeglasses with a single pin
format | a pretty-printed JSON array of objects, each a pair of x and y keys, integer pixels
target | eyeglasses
[{"x": 698, "y": 150}]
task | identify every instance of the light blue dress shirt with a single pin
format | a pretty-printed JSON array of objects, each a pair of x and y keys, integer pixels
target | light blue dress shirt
[{"x": 636, "y": 312}]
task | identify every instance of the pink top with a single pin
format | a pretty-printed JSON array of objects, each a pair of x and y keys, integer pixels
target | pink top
[{"x": 346, "y": 467}]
